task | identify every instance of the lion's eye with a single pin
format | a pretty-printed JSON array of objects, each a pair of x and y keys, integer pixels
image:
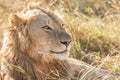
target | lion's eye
[{"x": 47, "y": 28}]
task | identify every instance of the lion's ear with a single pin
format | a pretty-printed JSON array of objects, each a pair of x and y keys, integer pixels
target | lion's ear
[{"x": 17, "y": 21}]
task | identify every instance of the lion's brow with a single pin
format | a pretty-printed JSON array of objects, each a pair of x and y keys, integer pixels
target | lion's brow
[{"x": 53, "y": 16}]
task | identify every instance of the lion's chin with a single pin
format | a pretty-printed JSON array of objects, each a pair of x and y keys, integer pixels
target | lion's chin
[{"x": 61, "y": 55}]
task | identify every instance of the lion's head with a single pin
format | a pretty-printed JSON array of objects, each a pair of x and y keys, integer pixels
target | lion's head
[{"x": 45, "y": 31}]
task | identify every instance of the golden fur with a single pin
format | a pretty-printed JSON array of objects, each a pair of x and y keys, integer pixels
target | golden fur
[{"x": 35, "y": 47}]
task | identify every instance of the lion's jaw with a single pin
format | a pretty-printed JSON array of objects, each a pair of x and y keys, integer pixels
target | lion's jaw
[{"x": 61, "y": 52}]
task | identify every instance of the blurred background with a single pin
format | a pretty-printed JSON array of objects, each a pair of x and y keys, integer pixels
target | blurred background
[{"x": 94, "y": 26}]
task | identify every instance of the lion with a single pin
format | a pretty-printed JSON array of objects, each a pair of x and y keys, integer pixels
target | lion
[{"x": 37, "y": 47}]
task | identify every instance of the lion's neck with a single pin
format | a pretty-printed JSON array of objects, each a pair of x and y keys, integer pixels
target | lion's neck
[{"x": 20, "y": 67}]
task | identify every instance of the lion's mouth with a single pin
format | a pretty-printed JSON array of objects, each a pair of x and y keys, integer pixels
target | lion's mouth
[{"x": 59, "y": 52}]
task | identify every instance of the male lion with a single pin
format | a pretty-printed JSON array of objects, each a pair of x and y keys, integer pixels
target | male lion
[{"x": 36, "y": 47}]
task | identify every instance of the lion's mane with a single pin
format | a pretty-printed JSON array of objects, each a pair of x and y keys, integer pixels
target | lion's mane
[{"x": 16, "y": 63}]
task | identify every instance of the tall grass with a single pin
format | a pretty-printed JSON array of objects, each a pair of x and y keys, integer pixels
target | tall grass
[{"x": 93, "y": 26}]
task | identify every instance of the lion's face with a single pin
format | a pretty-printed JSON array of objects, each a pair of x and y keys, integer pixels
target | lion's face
[{"x": 48, "y": 35}]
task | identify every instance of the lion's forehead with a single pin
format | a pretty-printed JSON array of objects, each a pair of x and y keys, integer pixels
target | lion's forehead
[{"x": 39, "y": 13}]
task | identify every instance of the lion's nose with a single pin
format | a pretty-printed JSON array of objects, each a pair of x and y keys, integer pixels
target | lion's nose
[{"x": 66, "y": 43}]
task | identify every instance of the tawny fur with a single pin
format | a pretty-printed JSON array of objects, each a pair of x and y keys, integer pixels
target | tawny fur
[{"x": 19, "y": 63}]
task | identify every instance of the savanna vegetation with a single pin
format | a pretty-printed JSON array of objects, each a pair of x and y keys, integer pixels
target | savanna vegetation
[{"x": 93, "y": 25}]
